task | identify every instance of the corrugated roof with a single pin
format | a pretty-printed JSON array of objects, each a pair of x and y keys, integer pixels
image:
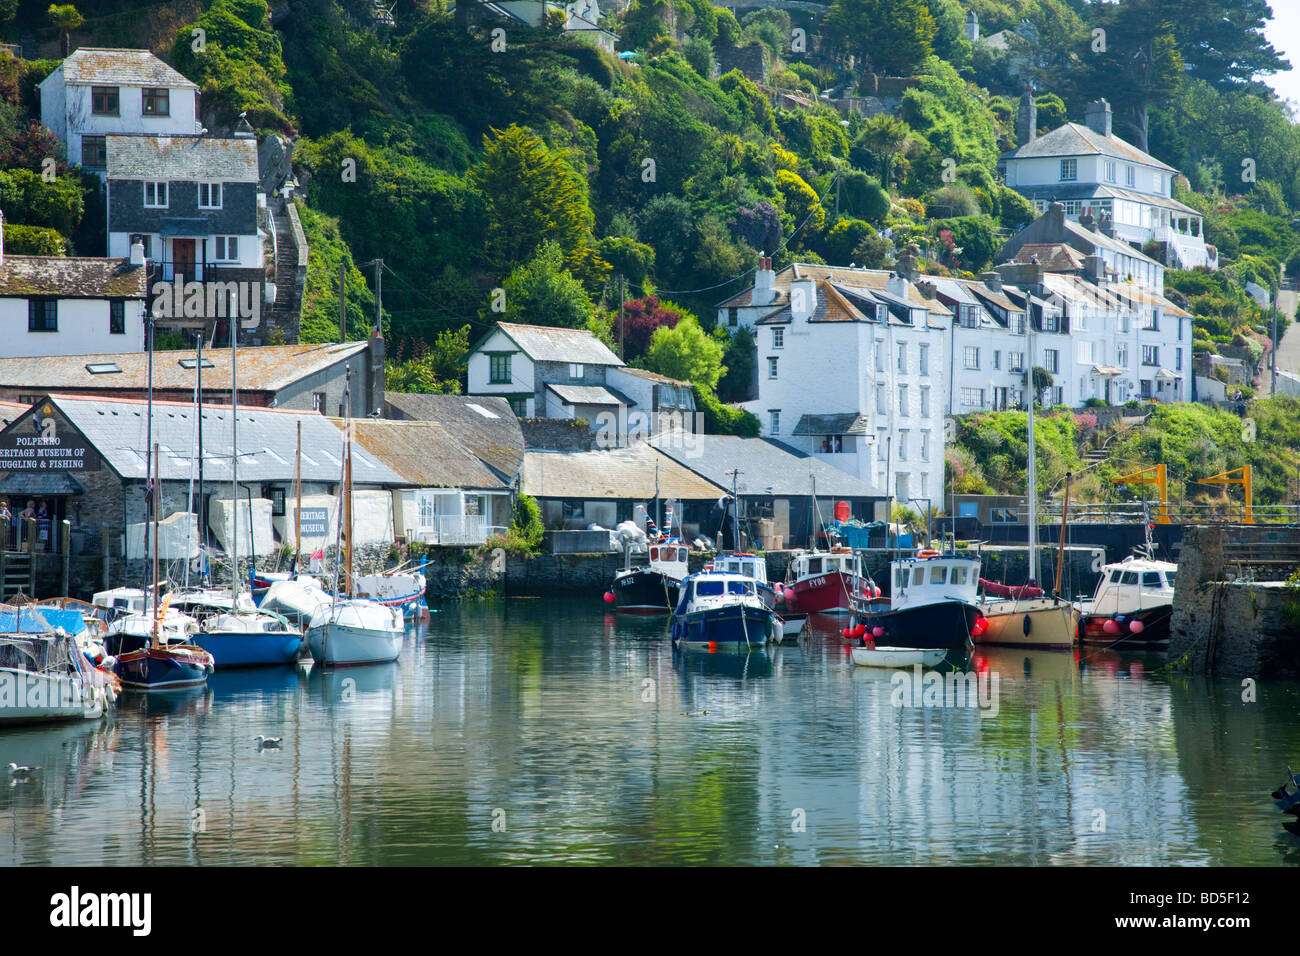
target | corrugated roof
[
  {"x": 764, "y": 464},
  {"x": 267, "y": 441},
  {"x": 615, "y": 473},
  {"x": 1076, "y": 139},
  {"x": 182, "y": 158},
  {"x": 72, "y": 277},
  {"x": 104, "y": 66},
  {"x": 482, "y": 424},
  {"x": 266, "y": 369},
  {"x": 424, "y": 453},
  {"x": 543, "y": 343}
]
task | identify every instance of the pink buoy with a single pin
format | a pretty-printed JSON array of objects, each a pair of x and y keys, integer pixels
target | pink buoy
[
  {"x": 1110, "y": 627},
  {"x": 1136, "y": 626},
  {"x": 609, "y": 597},
  {"x": 877, "y": 632}
]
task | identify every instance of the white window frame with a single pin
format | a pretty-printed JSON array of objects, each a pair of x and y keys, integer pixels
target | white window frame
[
  {"x": 903, "y": 411},
  {"x": 576, "y": 370},
  {"x": 772, "y": 366},
  {"x": 222, "y": 248},
  {"x": 210, "y": 188},
  {"x": 774, "y": 421},
  {"x": 778, "y": 338},
  {"x": 1070, "y": 166},
  {"x": 923, "y": 359},
  {"x": 925, "y": 401},
  {"x": 157, "y": 188},
  {"x": 971, "y": 357},
  {"x": 925, "y": 445}
]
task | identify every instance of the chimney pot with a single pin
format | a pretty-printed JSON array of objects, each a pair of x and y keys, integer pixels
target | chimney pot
[{"x": 1099, "y": 117}]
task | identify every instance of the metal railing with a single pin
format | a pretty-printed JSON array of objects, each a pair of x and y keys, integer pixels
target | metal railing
[
  {"x": 166, "y": 270},
  {"x": 454, "y": 529}
]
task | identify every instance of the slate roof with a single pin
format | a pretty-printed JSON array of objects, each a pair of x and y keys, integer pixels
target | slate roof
[
  {"x": 182, "y": 158},
  {"x": 653, "y": 376},
  {"x": 615, "y": 473},
  {"x": 1076, "y": 139},
  {"x": 104, "y": 66},
  {"x": 849, "y": 423},
  {"x": 544, "y": 343},
  {"x": 72, "y": 277},
  {"x": 868, "y": 279},
  {"x": 267, "y": 441},
  {"x": 1059, "y": 192},
  {"x": 424, "y": 453},
  {"x": 764, "y": 463},
  {"x": 266, "y": 369},
  {"x": 482, "y": 424},
  {"x": 1052, "y": 256},
  {"x": 590, "y": 395}
]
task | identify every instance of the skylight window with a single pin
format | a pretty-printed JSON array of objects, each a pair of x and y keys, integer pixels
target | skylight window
[
  {"x": 481, "y": 410},
  {"x": 190, "y": 363},
  {"x": 102, "y": 368}
]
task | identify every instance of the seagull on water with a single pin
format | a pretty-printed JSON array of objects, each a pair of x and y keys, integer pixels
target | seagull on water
[
  {"x": 21, "y": 773},
  {"x": 269, "y": 743}
]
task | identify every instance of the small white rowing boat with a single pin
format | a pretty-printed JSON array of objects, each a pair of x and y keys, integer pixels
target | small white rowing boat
[{"x": 898, "y": 656}]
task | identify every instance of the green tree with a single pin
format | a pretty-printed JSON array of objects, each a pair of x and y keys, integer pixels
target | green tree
[
  {"x": 437, "y": 369},
  {"x": 543, "y": 292},
  {"x": 736, "y": 384},
  {"x": 686, "y": 352},
  {"x": 65, "y": 18},
  {"x": 895, "y": 36},
  {"x": 532, "y": 194},
  {"x": 885, "y": 138},
  {"x": 801, "y": 206}
]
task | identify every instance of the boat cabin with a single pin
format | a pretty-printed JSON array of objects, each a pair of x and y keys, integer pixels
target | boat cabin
[
  {"x": 920, "y": 581},
  {"x": 669, "y": 559},
  {"x": 121, "y": 601},
  {"x": 749, "y": 565},
  {"x": 813, "y": 563},
  {"x": 1133, "y": 584}
]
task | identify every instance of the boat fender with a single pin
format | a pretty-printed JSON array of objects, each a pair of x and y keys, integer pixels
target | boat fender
[
  {"x": 1027, "y": 625},
  {"x": 847, "y": 632},
  {"x": 1110, "y": 627},
  {"x": 1136, "y": 626},
  {"x": 928, "y": 553},
  {"x": 877, "y": 632},
  {"x": 609, "y": 597}
]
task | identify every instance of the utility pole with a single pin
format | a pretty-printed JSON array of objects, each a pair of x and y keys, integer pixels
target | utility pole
[
  {"x": 379, "y": 296},
  {"x": 1272, "y": 375},
  {"x": 622, "y": 289},
  {"x": 343, "y": 302}
]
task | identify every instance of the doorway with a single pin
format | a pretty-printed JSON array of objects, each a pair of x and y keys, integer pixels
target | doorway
[{"x": 183, "y": 258}]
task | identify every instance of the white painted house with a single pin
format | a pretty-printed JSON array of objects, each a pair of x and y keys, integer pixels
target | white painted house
[
  {"x": 69, "y": 305},
  {"x": 1091, "y": 171},
  {"x": 850, "y": 370},
  {"x": 548, "y": 372},
  {"x": 95, "y": 93}
]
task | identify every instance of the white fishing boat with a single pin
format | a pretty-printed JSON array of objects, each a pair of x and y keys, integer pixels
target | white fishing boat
[
  {"x": 895, "y": 657},
  {"x": 299, "y": 599},
  {"x": 44, "y": 677}
]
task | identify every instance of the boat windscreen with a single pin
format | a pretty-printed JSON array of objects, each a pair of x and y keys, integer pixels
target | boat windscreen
[
  {"x": 740, "y": 587},
  {"x": 708, "y": 588}
]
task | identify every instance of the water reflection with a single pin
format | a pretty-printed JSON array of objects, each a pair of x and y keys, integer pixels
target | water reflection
[{"x": 555, "y": 731}]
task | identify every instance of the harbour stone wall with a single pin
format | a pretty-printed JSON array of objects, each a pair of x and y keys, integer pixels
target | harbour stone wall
[{"x": 1224, "y": 624}]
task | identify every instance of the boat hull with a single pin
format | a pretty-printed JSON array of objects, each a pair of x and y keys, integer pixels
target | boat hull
[
  {"x": 27, "y": 698},
  {"x": 163, "y": 668},
  {"x": 943, "y": 624},
  {"x": 250, "y": 649},
  {"x": 894, "y": 657},
  {"x": 645, "y": 591},
  {"x": 1155, "y": 627},
  {"x": 341, "y": 645},
  {"x": 1030, "y": 623},
  {"x": 823, "y": 594},
  {"x": 736, "y": 624}
]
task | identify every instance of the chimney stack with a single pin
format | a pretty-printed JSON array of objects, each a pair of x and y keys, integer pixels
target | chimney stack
[
  {"x": 764, "y": 283},
  {"x": 992, "y": 279},
  {"x": 1094, "y": 268},
  {"x": 803, "y": 298},
  {"x": 1099, "y": 117},
  {"x": 1056, "y": 219},
  {"x": 1027, "y": 119},
  {"x": 137, "y": 252},
  {"x": 972, "y": 26}
]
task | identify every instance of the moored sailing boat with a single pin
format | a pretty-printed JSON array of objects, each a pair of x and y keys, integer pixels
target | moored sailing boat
[{"x": 352, "y": 631}]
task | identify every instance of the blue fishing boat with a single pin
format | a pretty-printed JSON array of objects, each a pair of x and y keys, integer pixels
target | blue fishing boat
[
  {"x": 249, "y": 639},
  {"x": 717, "y": 608},
  {"x": 164, "y": 668}
]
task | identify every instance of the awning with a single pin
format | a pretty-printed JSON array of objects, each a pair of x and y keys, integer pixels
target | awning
[
  {"x": 848, "y": 423},
  {"x": 1168, "y": 375},
  {"x": 18, "y": 483},
  {"x": 186, "y": 227},
  {"x": 1107, "y": 371},
  {"x": 590, "y": 395}
]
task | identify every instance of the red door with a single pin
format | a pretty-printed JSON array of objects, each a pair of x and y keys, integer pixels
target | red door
[{"x": 183, "y": 258}]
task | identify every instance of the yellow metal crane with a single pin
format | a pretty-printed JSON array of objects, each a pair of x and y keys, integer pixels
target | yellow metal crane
[
  {"x": 1243, "y": 478},
  {"x": 1155, "y": 475}
]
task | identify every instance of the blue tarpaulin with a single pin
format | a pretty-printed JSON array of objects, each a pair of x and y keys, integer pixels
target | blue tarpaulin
[{"x": 41, "y": 620}]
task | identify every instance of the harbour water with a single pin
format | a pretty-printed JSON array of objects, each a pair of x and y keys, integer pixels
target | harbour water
[{"x": 553, "y": 731}]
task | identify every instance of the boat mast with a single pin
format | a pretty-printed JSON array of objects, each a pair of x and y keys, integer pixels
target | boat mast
[
  {"x": 297, "y": 521},
  {"x": 198, "y": 416},
  {"x": 203, "y": 525},
  {"x": 812, "y": 532},
  {"x": 150, "y": 491},
  {"x": 735, "y": 508},
  {"x": 1060, "y": 547},
  {"x": 234, "y": 457},
  {"x": 157, "y": 491},
  {"x": 1032, "y": 491},
  {"x": 347, "y": 485}
]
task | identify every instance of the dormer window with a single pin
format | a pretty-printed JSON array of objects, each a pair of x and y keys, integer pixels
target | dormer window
[
  {"x": 155, "y": 195},
  {"x": 209, "y": 195},
  {"x": 104, "y": 100},
  {"x": 155, "y": 101},
  {"x": 1069, "y": 170}
]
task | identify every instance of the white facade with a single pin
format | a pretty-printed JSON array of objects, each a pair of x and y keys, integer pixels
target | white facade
[
  {"x": 84, "y": 328},
  {"x": 499, "y": 367},
  {"x": 100, "y": 92},
  {"x": 828, "y": 355}
]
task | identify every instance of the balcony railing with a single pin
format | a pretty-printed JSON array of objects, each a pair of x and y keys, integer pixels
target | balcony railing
[
  {"x": 454, "y": 529},
  {"x": 166, "y": 270}
]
